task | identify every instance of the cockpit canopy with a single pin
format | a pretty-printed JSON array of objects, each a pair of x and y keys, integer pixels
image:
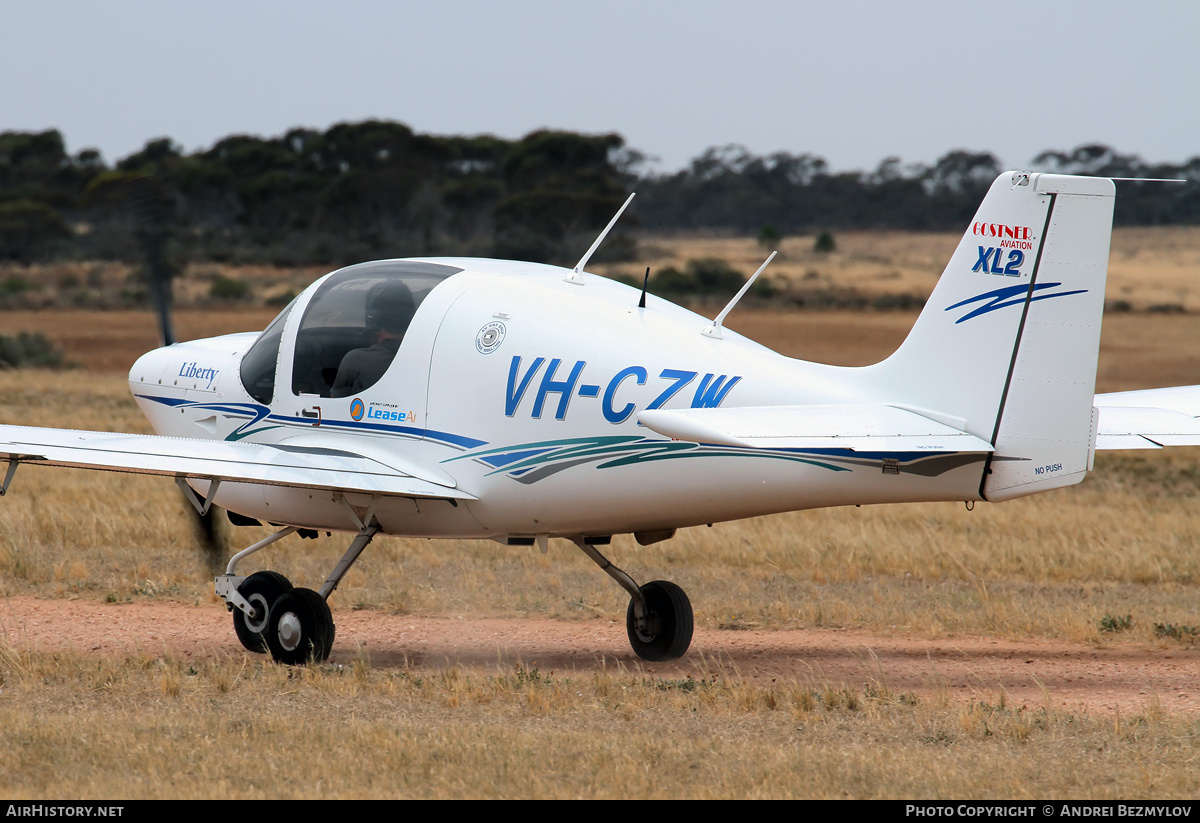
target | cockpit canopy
[{"x": 350, "y": 332}]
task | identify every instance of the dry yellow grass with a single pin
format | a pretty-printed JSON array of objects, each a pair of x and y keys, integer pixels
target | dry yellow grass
[
  {"x": 1148, "y": 266},
  {"x": 143, "y": 726},
  {"x": 1156, "y": 266},
  {"x": 871, "y": 262},
  {"x": 110, "y": 341}
]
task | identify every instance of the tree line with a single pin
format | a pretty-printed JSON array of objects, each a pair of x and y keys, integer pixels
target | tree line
[
  {"x": 356, "y": 191},
  {"x": 732, "y": 189},
  {"x": 376, "y": 189}
]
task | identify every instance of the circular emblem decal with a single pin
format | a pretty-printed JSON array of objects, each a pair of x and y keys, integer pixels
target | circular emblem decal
[
  {"x": 356, "y": 409},
  {"x": 490, "y": 337}
]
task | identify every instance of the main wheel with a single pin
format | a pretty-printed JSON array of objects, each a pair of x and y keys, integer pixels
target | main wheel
[
  {"x": 300, "y": 628},
  {"x": 261, "y": 589},
  {"x": 666, "y": 631}
]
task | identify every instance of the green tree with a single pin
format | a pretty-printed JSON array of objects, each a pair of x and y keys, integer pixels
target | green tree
[
  {"x": 769, "y": 236},
  {"x": 28, "y": 229}
]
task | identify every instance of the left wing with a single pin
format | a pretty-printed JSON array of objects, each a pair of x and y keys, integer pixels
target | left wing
[
  {"x": 282, "y": 465},
  {"x": 1148, "y": 419}
]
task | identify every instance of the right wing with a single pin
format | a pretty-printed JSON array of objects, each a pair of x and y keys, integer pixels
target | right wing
[
  {"x": 1145, "y": 419},
  {"x": 297, "y": 467},
  {"x": 1149, "y": 418}
]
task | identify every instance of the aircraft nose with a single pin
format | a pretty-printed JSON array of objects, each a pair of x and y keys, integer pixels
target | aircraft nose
[{"x": 150, "y": 367}]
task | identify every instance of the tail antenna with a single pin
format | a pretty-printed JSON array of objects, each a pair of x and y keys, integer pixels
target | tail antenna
[
  {"x": 645, "y": 283},
  {"x": 574, "y": 276}
]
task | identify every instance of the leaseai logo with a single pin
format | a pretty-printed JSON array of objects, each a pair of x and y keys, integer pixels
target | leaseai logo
[
  {"x": 356, "y": 409},
  {"x": 490, "y": 337}
]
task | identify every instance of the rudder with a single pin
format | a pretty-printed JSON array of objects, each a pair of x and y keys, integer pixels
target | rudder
[
  {"x": 1006, "y": 347},
  {"x": 1045, "y": 436}
]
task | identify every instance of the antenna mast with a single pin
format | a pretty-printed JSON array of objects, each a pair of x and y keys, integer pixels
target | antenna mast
[
  {"x": 574, "y": 277},
  {"x": 714, "y": 330}
]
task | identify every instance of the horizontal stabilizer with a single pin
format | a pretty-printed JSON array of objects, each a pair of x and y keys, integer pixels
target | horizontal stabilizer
[
  {"x": 1149, "y": 419},
  {"x": 858, "y": 427},
  {"x": 238, "y": 462}
]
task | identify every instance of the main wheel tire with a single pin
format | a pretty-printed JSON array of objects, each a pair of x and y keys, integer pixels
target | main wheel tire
[
  {"x": 667, "y": 632},
  {"x": 300, "y": 628},
  {"x": 261, "y": 589}
]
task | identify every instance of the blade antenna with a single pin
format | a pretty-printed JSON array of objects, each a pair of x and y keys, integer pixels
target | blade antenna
[
  {"x": 714, "y": 330},
  {"x": 574, "y": 277},
  {"x": 645, "y": 283}
]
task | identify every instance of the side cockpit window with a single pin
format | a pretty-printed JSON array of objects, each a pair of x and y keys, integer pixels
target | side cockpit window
[
  {"x": 258, "y": 366},
  {"x": 356, "y": 322}
]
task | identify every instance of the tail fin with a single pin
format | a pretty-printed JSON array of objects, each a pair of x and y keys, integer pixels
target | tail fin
[{"x": 1006, "y": 347}]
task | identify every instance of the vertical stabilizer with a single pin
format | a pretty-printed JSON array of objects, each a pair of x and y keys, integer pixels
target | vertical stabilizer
[
  {"x": 1006, "y": 347},
  {"x": 1046, "y": 433}
]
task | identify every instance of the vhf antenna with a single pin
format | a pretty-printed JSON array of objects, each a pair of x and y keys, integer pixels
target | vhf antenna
[
  {"x": 574, "y": 277},
  {"x": 714, "y": 330}
]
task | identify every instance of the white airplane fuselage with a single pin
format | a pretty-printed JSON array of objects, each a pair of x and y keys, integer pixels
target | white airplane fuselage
[{"x": 522, "y": 390}]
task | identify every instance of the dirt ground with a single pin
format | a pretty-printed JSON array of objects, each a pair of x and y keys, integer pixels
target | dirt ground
[{"x": 1121, "y": 678}]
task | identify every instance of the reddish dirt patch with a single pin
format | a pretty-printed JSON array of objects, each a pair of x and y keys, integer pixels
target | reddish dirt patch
[{"x": 1051, "y": 674}]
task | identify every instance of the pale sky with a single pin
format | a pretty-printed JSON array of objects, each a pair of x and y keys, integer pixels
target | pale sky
[{"x": 853, "y": 82}]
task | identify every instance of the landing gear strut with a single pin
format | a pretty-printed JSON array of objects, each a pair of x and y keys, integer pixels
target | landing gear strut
[
  {"x": 659, "y": 619},
  {"x": 270, "y": 615}
]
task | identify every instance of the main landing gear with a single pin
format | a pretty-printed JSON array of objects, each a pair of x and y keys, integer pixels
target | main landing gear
[
  {"x": 270, "y": 615},
  {"x": 295, "y": 625},
  {"x": 659, "y": 618}
]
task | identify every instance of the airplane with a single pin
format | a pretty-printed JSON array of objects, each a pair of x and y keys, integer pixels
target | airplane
[{"x": 479, "y": 398}]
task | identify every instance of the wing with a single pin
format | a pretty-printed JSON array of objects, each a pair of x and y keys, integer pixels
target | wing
[
  {"x": 857, "y": 427},
  {"x": 283, "y": 465},
  {"x": 1148, "y": 419}
]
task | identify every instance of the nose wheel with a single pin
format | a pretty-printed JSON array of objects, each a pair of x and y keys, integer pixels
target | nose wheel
[
  {"x": 300, "y": 628},
  {"x": 261, "y": 589},
  {"x": 269, "y": 615}
]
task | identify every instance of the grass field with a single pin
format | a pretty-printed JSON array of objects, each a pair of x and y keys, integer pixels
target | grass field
[
  {"x": 1149, "y": 269},
  {"x": 74, "y": 726},
  {"x": 1067, "y": 565}
]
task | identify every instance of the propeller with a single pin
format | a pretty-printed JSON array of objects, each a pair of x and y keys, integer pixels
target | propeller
[{"x": 154, "y": 215}]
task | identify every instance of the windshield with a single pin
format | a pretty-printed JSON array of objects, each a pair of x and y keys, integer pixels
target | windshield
[
  {"x": 355, "y": 323},
  {"x": 258, "y": 366}
]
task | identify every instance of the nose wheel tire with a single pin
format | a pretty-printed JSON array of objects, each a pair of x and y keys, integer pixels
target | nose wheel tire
[
  {"x": 300, "y": 628},
  {"x": 261, "y": 589},
  {"x": 665, "y": 632}
]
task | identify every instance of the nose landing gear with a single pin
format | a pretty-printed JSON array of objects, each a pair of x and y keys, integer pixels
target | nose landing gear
[{"x": 269, "y": 615}]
